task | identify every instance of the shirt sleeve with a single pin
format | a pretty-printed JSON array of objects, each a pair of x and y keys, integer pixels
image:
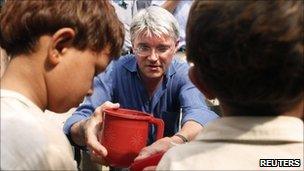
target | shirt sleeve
[
  {"x": 193, "y": 102},
  {"x": 102, "y": 92}
]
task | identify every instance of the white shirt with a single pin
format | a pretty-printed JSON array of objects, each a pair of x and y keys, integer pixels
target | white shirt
[
  {"x": 238, "y": 143},
  {"x": 125, "y": 15},
  {"x": 29, "y": 141}
]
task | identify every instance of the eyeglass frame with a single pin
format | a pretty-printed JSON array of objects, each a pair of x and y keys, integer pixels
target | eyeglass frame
[{"x": 158, "y": 52}]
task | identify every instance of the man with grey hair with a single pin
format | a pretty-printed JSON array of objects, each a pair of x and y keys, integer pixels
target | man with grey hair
[{"x": 150, "y": 80}]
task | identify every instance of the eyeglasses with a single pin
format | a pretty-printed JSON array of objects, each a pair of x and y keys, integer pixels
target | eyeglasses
[{"x": 143, "y": 50}]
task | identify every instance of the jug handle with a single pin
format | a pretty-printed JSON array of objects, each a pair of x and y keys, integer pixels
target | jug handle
[{"x": 160, "y": 127}]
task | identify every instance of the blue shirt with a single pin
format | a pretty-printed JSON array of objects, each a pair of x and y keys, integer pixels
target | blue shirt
[{"x": 121, "y": 83}]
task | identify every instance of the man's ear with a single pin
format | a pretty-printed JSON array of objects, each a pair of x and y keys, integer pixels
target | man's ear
[
  {"x": 176, "y": 46},
  {"x": 194, "y": 77},
  {"x": 61, "y": 41}
]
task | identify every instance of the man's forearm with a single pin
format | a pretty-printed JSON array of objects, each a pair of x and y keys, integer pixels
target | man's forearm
[
  {"x": 77, "y": 133},
  {"x": 189, "y": 130}
]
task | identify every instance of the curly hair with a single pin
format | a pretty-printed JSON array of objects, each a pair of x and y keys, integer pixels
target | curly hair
[{"x": 249, "y": 53}]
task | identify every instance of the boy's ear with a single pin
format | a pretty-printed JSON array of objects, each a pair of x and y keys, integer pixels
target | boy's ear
[
  {"x": 194, "y": 77},
  {"x": 61, "y": 41}
]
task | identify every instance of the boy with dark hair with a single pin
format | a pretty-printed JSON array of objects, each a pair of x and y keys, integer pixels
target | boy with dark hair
[
  {"x": 56, "y": 47},
  {"x": 249, "y": 55}
]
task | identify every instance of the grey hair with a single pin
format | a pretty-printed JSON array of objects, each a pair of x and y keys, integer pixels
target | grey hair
[{"x": 154, "y": 21}]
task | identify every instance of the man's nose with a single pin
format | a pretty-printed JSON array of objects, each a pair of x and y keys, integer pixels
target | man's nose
[{"x": 153, "y": 56}]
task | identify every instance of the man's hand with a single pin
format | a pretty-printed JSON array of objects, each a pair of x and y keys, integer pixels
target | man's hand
[
  {"x": 161, "y": 145},
  {"x": 91, "y": 128},
  {"x": 189, "y": 130}
]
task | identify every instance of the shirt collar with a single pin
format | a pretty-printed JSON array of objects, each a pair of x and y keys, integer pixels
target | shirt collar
[
  {"x": 131, "y": 65},
  {"x": 268, "y": 129}
]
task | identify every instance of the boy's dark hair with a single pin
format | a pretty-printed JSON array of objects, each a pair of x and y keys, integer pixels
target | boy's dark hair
[
  {"x": 249, "y": 53},
  {"x": 95, "y": 23}
]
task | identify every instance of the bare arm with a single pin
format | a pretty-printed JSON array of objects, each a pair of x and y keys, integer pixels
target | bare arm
[
  {"x": 170, "y": 5},
  {"x": 77, "y": 133},
  {"x": 85, "y": 132},
  {"x": 189, "y": 130}
]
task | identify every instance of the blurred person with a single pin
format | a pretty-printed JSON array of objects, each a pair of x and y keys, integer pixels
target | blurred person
[
  {"x": 56, "y": 47},
  {"x": 249, "y": 55},
  {"x": 180, "y": 10},
  {"x": 126, "y": 10},
  {"x": 151, "y": 81}
]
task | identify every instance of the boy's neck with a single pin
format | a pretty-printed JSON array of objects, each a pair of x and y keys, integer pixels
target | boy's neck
[
  {"x": 26, "y": 77},
  {"x": 296, "y": 111}
]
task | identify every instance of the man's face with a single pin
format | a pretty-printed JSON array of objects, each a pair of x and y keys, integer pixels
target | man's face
[
  {"x": 72, "y": 78},
  {"x": 154, "y": 55}
]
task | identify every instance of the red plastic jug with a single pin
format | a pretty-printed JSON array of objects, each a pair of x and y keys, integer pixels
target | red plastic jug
[{"x": 125, "y": 133}]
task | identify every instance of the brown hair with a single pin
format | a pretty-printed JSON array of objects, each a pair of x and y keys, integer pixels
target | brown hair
[
  {"x": 94, "y": 21},
  {"x": 249, "y": 53}
]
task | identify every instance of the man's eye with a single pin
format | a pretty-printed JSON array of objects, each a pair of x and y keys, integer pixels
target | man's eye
[
  {"x": 162, "y": 49},
  {"x": 144, "y": 48}
]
